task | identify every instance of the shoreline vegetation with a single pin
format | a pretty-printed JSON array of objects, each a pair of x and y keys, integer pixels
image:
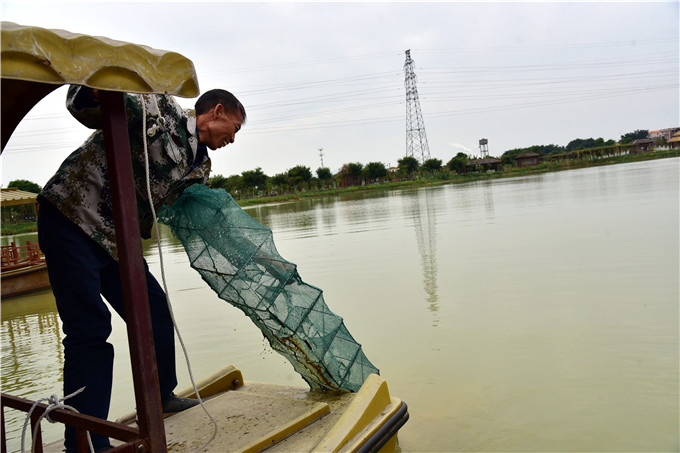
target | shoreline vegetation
[
  {"x": 448, "y": 177},
  {"x": 436, "y": 178}
]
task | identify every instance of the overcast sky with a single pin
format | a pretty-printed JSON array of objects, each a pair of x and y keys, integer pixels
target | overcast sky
[{"x": 331, "y": 75}]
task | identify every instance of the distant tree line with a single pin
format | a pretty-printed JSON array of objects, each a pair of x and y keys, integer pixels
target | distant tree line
[
  {"x": 300, "y": 178},
  {"x": 509, "y": 157},
  {"x": 25, "y": 185},
  {"x": 252, "y": 183},
  {"x": 297, "y": 179}
]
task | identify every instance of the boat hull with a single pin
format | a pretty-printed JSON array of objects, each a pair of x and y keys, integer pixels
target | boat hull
[{"x": 24, "y": 280}]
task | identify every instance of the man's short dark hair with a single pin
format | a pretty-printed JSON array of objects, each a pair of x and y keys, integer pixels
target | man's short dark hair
[{"x": 211, "y": 98}]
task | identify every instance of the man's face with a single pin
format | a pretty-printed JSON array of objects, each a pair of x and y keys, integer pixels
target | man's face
[{"x": 222, "y": 128}]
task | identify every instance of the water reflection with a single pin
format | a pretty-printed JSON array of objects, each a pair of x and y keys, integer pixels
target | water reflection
[
  {"x": 489, "y": 207},
  {"x": 29, "y": 323},
  {"x": 563, "y": 335},
  {"x": 328, "y": 216},
  {"x": 32, "y": 353},
  {"x": 420, "y": 207},
  {"x": 19, "y": 239}
]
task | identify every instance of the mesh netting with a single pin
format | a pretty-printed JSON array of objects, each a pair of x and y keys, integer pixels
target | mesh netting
[{"x": 236, "y": 256}]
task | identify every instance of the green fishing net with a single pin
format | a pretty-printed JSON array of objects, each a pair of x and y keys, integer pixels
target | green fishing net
[{"x": 236, "y": 256}]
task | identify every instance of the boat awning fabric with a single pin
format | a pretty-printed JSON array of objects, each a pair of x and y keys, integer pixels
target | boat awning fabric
[
  {"x": 15, "y": 197},
  {"x": 35, "y": 61},
  {"x": 60, "y": 57}
]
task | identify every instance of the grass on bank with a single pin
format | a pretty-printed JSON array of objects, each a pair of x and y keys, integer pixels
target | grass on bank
[{"x": 10, "y": 229}]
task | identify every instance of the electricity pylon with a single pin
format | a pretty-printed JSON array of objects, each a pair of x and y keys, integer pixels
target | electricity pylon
[{"x": 416, "y": 139}]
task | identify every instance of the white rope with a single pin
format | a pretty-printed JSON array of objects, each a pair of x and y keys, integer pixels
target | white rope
[
  {"x": 151, "y": 131},
  {"x": 54, "y": 403}
]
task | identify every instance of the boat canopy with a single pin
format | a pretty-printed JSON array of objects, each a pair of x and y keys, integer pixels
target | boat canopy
[{"x": 35, "y": 61}]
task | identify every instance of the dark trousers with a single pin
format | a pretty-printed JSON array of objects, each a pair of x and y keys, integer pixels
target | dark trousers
[{"x": 80, "y": 272}]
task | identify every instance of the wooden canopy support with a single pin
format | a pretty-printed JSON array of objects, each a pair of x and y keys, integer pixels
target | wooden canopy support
[
  {"x": 132, "y": 272},
  {"x": 22, "y": 96}
]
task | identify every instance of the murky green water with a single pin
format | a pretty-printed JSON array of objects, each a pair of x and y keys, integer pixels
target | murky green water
[{"x": 531, "y": 314}]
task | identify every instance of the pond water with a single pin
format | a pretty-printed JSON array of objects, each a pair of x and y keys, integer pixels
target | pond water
[{"x": 538, "y": 313}]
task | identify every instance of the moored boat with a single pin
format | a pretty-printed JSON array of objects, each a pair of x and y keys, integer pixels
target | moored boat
[
  {"x": 23, "y": 270},
  {"x": 24, "y": 280}
]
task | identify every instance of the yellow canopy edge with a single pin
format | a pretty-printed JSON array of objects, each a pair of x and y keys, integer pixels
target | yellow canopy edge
[{"x": 59, "y": 57}]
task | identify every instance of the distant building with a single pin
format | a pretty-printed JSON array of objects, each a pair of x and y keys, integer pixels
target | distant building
[
  {"x": 643, "y": 145},
  {"x": 486, "y": 164},
  {"x": 674, "y": 142},
  {"x": 528, "y": 159},
  {"x": 15, "y": 197},
  {"x": 12, "y": 196},
  {"x": 663, "y": 133}
]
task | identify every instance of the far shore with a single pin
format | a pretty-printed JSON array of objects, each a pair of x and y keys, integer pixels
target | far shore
[
  {"x": 443, "y": 177},
  {"x": 446, "y": 177}
]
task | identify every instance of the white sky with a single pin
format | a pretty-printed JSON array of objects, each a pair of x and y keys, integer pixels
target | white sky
[{"x": 330, "y": 75}]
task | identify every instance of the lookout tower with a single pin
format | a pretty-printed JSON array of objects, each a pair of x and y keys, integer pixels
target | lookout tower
[{"x": 416, "y": 139}]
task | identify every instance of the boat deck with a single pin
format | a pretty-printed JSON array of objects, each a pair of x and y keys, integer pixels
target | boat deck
[{"x": 254, "y": 416}]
